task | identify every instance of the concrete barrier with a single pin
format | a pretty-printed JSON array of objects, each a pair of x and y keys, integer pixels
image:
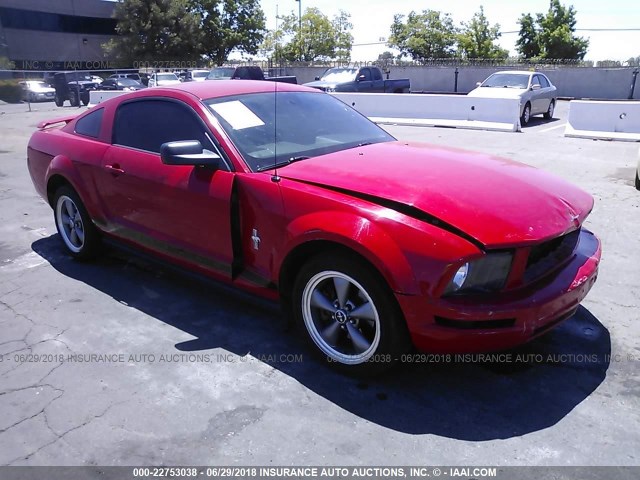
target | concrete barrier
[
  {"x": 99, "y": 96},
  {"x": 502, "y": 114},
  {"x": 604, "y": 120}
]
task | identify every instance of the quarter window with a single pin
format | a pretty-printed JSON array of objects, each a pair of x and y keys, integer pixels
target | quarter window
[
  {"x": 90, "y": 124},
  {"x": 544, "y": 83},
  {"x": 147, "y": 124}
]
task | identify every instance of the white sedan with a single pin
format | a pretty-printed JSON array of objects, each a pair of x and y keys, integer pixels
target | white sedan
[
  {"x": 536, "y": 92},
  {"x": 35, "y": 90},
  {"x": 163, "y": 79}
]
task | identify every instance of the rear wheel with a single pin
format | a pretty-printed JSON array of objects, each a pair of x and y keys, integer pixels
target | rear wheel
[
  {"x": 78, "y": 234},
  {"x": 526, "y": 115},
  {"x": 75, "y": 100},
  {"x": 637, "y": 182},
  {"x": 59, "y": 101},
  {"x": 549, "y": 114},
  {"x": 348, "y": 315}
]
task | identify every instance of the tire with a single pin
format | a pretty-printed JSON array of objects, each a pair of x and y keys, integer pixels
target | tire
[
  {"x": 637, "y": 182},
  {"x": 77, "y": 232},
  {"x": 362, "y": 345},
  {"x": 526, "y": 115},
  {"x": 59, "y": 101},
  {"x": 85, "y": 102},
  {"x": 549, "y": 114},
  {"x": 75, "y": 101}
]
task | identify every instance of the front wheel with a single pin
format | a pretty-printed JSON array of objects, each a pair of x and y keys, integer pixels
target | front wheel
[
  {"x": 348, "y": 315},
  {"x": 549, "y": 114},
  {"x": 78, "y": 234},
  {"x": 59, "y": 101},
  {"x": 526, "y": 115}
]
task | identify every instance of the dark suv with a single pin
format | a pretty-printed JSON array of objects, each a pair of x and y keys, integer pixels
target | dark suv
[{"x": 73, "y": 86}]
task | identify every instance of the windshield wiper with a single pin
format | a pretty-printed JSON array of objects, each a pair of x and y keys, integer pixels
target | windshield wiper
[
  {"x": 364, "y": 144},
  {"x": 289, "y": 161}
]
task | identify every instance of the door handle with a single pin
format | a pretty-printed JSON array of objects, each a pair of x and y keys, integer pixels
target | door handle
[{"x": 114, "y": 169}]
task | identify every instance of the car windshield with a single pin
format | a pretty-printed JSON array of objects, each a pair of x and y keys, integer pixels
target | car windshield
[
  {"x": 199, "y": 74},
  {"x": 166, "y": 76},
  {"x": 507, "y": 80},
  {"x": 220, "y": 73},
  {"x": 339, "y": 75},
  {"x": 128, "y": 82},
  {"x": 306, "y": 125}
]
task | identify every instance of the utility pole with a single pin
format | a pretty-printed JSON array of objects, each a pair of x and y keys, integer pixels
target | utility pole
[{"x": 300, "y": 26}]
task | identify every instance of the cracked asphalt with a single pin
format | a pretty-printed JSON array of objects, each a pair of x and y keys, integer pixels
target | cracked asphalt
[{"x": 122, "y": 362}]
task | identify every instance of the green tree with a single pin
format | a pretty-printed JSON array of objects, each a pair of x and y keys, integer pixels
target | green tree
[
  {"x": 634, "y": 61},
  {"x": 430, "y": 34},
  {"x": 528, "y": 43},
  {"x": 229, "y": 25},
  {"x": 320, "y": 38},
  {"x": 477, "y": 38},
  {"x": 553, "y": 34},
  {"x": 344, "y": 40},
  {"x": 155, "y": 30}
]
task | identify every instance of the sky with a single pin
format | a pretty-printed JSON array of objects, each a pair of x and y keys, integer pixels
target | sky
[{"x": 372, "y": 20}]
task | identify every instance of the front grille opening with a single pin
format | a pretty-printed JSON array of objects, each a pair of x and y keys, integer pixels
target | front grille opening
[
  {"x": 475, "y": 324},
  {"x": 545, "y": 257}
]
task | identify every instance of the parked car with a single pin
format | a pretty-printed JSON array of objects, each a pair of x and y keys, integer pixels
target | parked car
[
  {"x": 36, "y": 91},
  {"x": 536, "y": 92},
  {"x": 131, "y": 76},
  {"x": 73, "y": 86},
  {"x": 193, "y": 75},
  {"x": 453, "y": 252},
  {"x": 163, "y": 79},
  {"x": 97, "y": 79},
  {"x": 365, "y": 79},
  {"x": 120, "y": 84},
  {"x": 247, "y": 72},
  {"x": 221, "y": 73}
]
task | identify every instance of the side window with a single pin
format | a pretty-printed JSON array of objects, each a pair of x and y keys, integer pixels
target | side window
[
  {"x": 536, "y": 79},
  {"x": 544, "y": 83},
  {"x": 90, "y": 124},
  {"x": 147, "y": 124},
  {"x": 367, "y": 74},
  {"x": 376, "y": 74}
]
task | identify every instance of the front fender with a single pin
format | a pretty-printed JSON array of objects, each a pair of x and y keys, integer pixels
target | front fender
[{"x": 356, "y": 233}]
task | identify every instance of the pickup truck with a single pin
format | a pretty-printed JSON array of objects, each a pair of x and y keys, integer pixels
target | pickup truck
[
  {"x": 252, "y": 72},
  {"x": 364, "y": 79}
]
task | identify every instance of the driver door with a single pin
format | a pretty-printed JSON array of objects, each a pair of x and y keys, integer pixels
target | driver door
[{"x": 178, "y": 211}]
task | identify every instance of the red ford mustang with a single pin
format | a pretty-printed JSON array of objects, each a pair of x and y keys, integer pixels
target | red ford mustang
[{"x": 373, "y": 245}]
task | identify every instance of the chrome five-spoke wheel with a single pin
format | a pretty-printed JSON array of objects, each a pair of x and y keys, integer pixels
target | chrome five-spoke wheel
[
  {"x": 70, "y": 223},
  {"x": 74, "y": 225},
  {"x": 348, "y": 315},
  {"x": 341, "y": 317}
]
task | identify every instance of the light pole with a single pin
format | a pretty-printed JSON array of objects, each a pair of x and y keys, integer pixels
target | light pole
[{"x": 300, "y": 26}]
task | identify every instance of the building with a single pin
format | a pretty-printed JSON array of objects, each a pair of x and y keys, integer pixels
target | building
[{"x": 54, "y": 34}]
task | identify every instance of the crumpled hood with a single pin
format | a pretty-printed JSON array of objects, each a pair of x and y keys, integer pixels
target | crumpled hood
[
  {"x": 497, "y": 92},
  {"x": 498, "y": 202}
]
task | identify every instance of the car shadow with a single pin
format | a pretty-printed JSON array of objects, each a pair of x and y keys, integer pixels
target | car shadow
[
  {"x": 539, "y": 120},
  {"x": 466, "y": 398}
]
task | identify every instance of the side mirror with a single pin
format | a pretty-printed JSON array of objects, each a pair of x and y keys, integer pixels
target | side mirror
[
  {"x": 536, "y": 86},
  {"x": 317, "y": 77},
  {"x": 361, "y": 77},
  {"x": 188, "y": 152},
  {"x": 478, "y": 84}
]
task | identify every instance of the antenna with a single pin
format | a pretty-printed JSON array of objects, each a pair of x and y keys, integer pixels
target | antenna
[{"x": 275, "y": 178}]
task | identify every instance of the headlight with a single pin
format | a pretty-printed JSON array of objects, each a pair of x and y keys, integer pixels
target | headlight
[
  {"x": 484, "y": 275},
  {"x": 460, "y": 276}
]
